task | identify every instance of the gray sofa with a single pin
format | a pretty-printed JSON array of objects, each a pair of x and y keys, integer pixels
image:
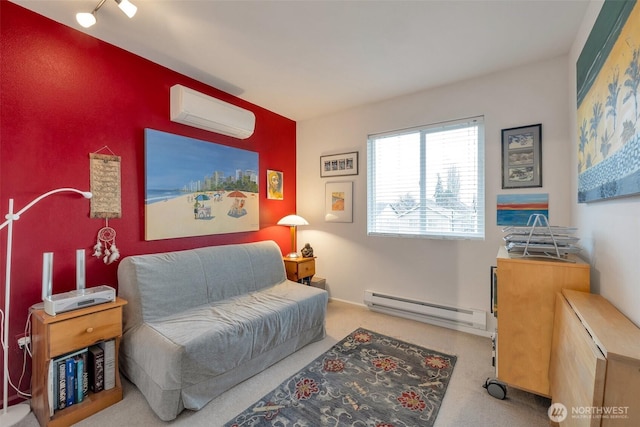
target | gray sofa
[{"x": 200, "y": 321}]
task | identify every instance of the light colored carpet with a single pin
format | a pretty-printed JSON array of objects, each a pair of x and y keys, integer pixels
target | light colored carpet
[{"x": 466, "y": 402}]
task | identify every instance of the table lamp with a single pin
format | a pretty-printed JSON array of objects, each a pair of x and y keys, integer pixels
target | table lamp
[{"x": 293, "y": 221}]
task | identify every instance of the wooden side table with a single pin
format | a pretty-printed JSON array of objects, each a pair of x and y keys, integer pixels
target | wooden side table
[
  {"x": 300, "y": 269},
  {"x": 53, "y": 336}
]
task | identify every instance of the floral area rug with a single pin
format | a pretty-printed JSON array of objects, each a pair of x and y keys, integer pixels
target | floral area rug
[{"x": 367, "y": 379}]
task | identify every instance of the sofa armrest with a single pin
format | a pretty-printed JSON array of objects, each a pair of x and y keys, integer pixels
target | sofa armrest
[{"x": 152, "y": 362}]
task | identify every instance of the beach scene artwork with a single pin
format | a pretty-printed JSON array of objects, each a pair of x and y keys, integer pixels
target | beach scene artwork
[
  {"x": 516, "y": 209},
  {"x": 197, "y": 188}
]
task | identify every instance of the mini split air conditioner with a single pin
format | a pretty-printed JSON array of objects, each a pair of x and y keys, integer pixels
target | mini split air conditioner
[{"x": 196, "y": 109}]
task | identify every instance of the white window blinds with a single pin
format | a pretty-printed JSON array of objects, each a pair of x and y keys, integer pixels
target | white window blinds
[{"x": 427, "y": 181}]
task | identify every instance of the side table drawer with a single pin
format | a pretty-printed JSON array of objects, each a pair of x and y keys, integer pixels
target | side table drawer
[
  {"x": 306, "y": 269},
  {"x": 83, "y": 331}
]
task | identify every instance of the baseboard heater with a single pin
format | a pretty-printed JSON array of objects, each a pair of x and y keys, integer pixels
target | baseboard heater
[{"x": 450, "y": 316}]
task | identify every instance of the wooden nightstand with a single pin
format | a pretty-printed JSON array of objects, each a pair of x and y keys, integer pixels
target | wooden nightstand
[
  {"x": 54, "y": 336},
  {"x": 300, "y": 269}
]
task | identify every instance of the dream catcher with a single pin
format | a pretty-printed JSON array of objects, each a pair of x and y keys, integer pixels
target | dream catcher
[
  {"x": 105, "y": 203},
  {"x": 105, "y": 246}
]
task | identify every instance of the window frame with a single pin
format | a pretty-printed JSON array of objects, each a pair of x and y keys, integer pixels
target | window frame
[{"x": 423, "y": 229}]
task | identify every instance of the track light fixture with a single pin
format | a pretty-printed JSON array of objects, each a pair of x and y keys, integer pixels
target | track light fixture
[
  {"x": 127, "y": 7},
  {"x": 87, "y": 19}
]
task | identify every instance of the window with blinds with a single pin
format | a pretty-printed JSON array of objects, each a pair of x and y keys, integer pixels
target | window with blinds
[{"x": 427, "y": 181}]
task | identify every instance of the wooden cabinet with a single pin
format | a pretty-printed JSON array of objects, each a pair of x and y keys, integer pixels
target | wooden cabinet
[
  {"x": 300, "y": 269},
  {"x": 595, "y": 362},
  {"x": 526, "y": 294},
  {"x": 53, "y": 336}
]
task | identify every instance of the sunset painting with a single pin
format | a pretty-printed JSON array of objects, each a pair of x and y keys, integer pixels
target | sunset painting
[{"x": 515, "y": 209}]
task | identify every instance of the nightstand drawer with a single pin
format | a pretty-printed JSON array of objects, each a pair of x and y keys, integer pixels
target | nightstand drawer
[
  {"x": 306, "y": 269},
  {"x": 83, "y": 331},
  {"x": 299, "y": 268}
]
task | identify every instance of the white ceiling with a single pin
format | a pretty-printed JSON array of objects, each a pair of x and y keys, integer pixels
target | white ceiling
[{"x": 304, "y": 59}]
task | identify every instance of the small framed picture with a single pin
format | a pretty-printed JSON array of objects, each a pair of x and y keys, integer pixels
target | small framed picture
[
  {"x": 274, "y": 185},
  {"x": 522, "y": 157},
  {"x": 339, "y": 202},
  {"x": 339, "y": 164}
]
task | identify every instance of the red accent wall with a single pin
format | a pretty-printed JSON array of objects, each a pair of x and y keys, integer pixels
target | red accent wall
[{"x": 65, "y": 94}]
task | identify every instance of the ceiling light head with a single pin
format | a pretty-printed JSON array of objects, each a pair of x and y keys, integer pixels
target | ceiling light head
[
  {"x": 86, "y": 19},
  {"x": 127, "y": 7}
]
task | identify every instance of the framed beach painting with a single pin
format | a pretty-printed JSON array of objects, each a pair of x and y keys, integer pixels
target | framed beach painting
[
  {"x": 196, "y": 188},
  {"x": 608, "y": 105}
]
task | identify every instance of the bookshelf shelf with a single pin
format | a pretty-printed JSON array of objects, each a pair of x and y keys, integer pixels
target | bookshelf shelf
[{"x": 53, "y": 336}]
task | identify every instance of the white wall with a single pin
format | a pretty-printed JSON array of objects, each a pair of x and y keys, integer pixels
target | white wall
[
  {"x": 442, "y": 271},
  {"x": 610, "y": 230}
]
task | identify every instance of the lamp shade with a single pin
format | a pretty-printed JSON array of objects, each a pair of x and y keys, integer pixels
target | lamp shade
[
  {"x": 293, "y": 220},
  {"x": 127, "y": 7},
  {"x": 86, "y": 19}
]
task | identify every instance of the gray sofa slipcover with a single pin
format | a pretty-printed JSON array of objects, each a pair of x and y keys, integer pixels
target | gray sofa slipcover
[{"x": 200, "y": 321}]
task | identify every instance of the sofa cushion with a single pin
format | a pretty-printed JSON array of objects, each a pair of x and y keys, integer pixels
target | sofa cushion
[
  {"x": 233, "y": 270},
  {"x": 160, "y": 285},
  {"x": 226, "y": 334},
  {"x": 169, "y": 283}
]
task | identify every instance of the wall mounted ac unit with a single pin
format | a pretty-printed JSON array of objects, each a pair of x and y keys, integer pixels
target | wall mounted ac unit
[{"x": 196, "y": 109}]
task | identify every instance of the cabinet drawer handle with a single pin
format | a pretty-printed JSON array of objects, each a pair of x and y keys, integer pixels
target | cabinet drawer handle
[{"x": 89, "y": 330}]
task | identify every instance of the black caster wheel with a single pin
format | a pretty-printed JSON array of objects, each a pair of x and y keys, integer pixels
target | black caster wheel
[{"x": 495, "y": 388}]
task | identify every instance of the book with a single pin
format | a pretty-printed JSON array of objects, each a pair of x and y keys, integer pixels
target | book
[
  {"x": 109, "y": 349},
  {"x": 96, "y": 368},
  {"x": 58, "y": 379},
  {"x": 51, "y": 387},
  {"x": 62, "y": 383},
  {"x": 70, "y": 380},
  {"x": 79, "y": 378},
  {"x": 85, "y": 372}
]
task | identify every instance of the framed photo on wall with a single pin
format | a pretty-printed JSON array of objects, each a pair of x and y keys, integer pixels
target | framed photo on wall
[
  {"x": 339, "y": 164},
  {"x": 339, "y": 202},
  {"x": 522, "y": 157}
]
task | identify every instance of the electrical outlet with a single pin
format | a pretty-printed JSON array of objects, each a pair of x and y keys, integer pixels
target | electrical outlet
[
  {"x": 20, "y": 340},
  {"x": 24, "y": 341}
]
